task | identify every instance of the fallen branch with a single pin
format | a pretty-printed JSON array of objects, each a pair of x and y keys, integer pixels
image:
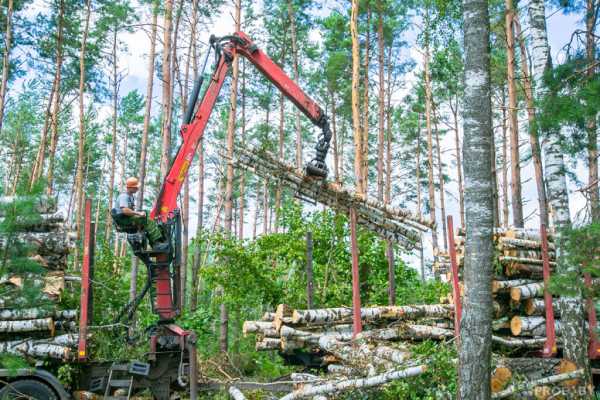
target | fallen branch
[{"x": 236, "y": 394}]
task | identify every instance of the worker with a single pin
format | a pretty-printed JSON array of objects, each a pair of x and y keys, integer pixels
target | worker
[{"x": 126, "y": 216}]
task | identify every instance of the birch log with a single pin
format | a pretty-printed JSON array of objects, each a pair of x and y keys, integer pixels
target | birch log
[
  {"x": 262, "y": 327},
  {"x": 349, "y": 384},
  {"x": 504, "y": 286},
  {"x": 41, "y": 204},
  {"x": 531, "y": 326},
  {"x": 528, "y": 291},
  {"x": 37, "y": 349},
  {"x": 36, "y": 313},
  {"x": 523, "y": 260},
  {"x": 535, "y": 306},
  {"x": 407, "y": 332},
  {"x": 519, "y": 343},
  {"x": 268, "y": 344},
  {"x": 30, "y": 325},
  {"x": 510, "y": 243}
]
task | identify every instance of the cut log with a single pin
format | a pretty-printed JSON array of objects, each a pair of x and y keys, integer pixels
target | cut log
[
  {"x": 505, "y": 286},
  {"x": 67, "y": 326},
  {"x": 36, "y": 349},
  {"x": 531, "y": 367},
  {"x": 407, "y": 332},
  {"x": 519, "y": 293},
  {"x": 535, "y": 306},
  {"x": 500, "y": 378},
  {"x": 529, "y": 271},
  {"x": 397, "y": 356},
  {"x": 44, "y": 243},
  {"x": 510, "y": 243},
  {"x": 359, "y": 383},
  {"x": 29, "y": 325},
  {"x": 501, "y": 323},
  {"x": 501, "y": 309},
  {"x": 517, "y": 343},
  {"x": 262, "y": 327},
  {"x": 329, "y": 315},
  {"x": 236, "y": 394},
  {"x": 526, "y": 386},
  {"x": 531, "y": 326},
  {"x": 36, "y": 313},
  {"x": 40, "y": 223},
  {"x": 522, "y": 260},
  {"x": 344, "y": 370},
  {"x": 267, "y": 344}
]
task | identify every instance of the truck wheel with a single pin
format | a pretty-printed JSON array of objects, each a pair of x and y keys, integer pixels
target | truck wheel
[{"x": 27, "y": 389}]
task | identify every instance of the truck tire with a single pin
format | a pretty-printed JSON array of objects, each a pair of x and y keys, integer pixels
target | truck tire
[{"x": 27, "y": 389}]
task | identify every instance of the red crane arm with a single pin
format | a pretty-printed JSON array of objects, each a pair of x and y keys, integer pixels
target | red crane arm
[{"x": 192, "y": 130}]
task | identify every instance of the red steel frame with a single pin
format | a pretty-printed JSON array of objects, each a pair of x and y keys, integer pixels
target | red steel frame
[
  {"x": 550, "y": 345},
  {"x": 356, "y": 314},
  {"x": 86, "y": 275},
  {"x": 455, "y": 284},
  {"x": 594, "y": 347}
]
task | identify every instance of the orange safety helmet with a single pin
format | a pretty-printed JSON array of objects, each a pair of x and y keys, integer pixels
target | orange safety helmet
[{"x": 132, "y": 182}]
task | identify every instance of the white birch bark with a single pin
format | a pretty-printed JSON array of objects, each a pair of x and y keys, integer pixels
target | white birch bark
[{"x": 572, "y": 308}]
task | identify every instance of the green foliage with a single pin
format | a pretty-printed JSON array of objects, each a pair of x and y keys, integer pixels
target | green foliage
[{"x": 12, "y": 363}]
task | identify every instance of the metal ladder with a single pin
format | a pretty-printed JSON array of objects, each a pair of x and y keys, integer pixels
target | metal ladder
[{"x": 118, "y": 383}]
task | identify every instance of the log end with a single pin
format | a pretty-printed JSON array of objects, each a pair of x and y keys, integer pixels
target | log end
[
  {"x": 530, "y": 307},
  {"x": 515, "y": 294},
  {"x": 516, "y": 325},
  {"x": 565, "y": 366},
  {"x": 500, "y": 378}
]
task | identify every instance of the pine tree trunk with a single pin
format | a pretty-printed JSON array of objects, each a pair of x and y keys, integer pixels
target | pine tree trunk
[
  {"x": 166, "y": 90},
  {"x": 381, "y": 98},
  {"x": 365, "y": 117},
  {"x": 591, "y": 16},
  {"x": 428, "y": 116},
  {"x": 38, "y": 165},
  {"x": 441, "y": 183},
  {"x": 297, "y": 80},
  {"x": 81, "y": 147},
  {"x": 534, "y": 141},
  {"x": 515, "y": 163},
  {"x": 6, "y": 59},
  {"x": 388, "y": 123},
  {"x": 242, "y": 200},
  {"x": 144, "y": 142},
  {"x": 476, "y": 334},
  {"x": 356, "y": 125},
  {"x": 505, "y": 212},
  {"x": 572, "y": 310},
  {"x": 336, "y": 159},
  {"x": 56, "y": 99},
  {"x": 113, "y": 153},
  {"x": 459, "y": 166}
]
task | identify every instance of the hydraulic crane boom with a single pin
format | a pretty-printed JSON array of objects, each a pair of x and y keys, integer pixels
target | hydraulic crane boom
[
  {"x": 195, "y": 124},
  {"x": 164, "y": 264}
]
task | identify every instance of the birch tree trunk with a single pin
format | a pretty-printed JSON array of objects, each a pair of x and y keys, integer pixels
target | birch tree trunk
[
  {"x": 356, "y": 125},
  {"x": 476, "y": 333},
  {"x": 418, "y": 184},
  {"x": 571, "y": 307},
  {"x": 591, "y": 16},
  {"x": 56, "y": 98},
  {"x": 166, "y": 90},
  {"x": 6, "y": 58},
  {"x": 515, "y": 162}
]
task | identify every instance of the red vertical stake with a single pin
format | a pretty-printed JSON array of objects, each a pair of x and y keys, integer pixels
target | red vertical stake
[
  {"x": 550, "y": 345},
  {"x": 455, "y": 284},
  {"x": 594, "y": 348},
  {"x": 356, "y": 320},
  {"x": 85, "y": 282}
]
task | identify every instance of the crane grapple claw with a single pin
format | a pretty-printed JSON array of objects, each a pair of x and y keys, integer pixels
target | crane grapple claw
[{"x": 316, "y": 169}]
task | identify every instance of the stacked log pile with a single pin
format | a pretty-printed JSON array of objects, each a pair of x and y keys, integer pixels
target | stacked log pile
[
  {"x": 518, "y": 287},
  {"x": 32, "y": 322},
  {"x": 398, "y": 225},
  {"x": 379, "y": 354}
]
